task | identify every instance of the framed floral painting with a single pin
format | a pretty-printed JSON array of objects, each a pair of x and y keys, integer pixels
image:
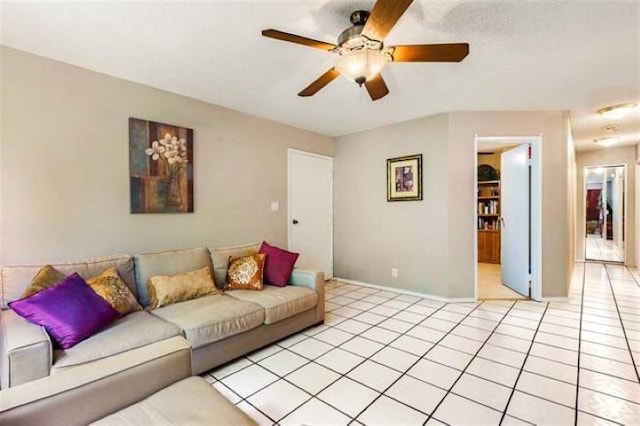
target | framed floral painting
[
  {"x": 404, "y": 178},
  {"x": 160, "y": 167}
]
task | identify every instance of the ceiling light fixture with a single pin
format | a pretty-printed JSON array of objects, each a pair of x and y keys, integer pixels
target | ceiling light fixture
[
  {"x": 361, "y": 65},
  {"x": 361, "y": 58},
  {"x": 606, "y": 141},
  {"x": 616, "y": 112}
]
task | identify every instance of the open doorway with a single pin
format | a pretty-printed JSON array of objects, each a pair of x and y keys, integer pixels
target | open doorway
[
  {"x": 507, "y": 218},
  {"x": 605, "y": 213}
]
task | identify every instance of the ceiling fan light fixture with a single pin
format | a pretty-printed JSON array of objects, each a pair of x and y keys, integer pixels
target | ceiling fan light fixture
[
  {"x": 361, "y": 65},
  {"x": 606, "y": 141},
  {"x": 616, "y": 112}
]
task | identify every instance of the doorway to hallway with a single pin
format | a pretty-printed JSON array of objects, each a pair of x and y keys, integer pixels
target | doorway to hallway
[
  {"x": 507, "y": 218},
  {"x": 605, "y": 213}
]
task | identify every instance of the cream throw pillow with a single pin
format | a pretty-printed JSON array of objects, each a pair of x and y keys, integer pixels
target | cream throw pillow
[{"x": 166, "y": 290}]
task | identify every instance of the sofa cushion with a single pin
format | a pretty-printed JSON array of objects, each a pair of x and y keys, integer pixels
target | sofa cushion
[
  {"x": 70, "y": 311},
  {"x": 212, "y": 318},
  {"x": 132, "y": 331},
  {"x": 172, "y": 262},
  {"x": 220, "y": 259},
  {"x": 279, "y": 302},
  {"x": 15, "y": 279},
  {"x": 191, "y": 401}
]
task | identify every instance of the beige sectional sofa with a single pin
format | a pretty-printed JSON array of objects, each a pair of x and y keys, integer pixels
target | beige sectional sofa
[{"x": 144, "y": 351}]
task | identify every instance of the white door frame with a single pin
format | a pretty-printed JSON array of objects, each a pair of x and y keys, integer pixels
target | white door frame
[
  {"x": 290, "y": 153},
  {"x": 536, "y": 207},
  {"x": 583, "y": 219}
]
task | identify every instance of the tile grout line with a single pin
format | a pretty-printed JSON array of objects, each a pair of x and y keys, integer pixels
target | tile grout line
[
  {"x": 584, "y": 285},
  {"x": 365, "y": 359},
  {"x": 528, "y": 355},
  {"x": 307, "y": 337},
  {"x": 462, "y": 373},
  {"x": 513, "y": 389},
  {"x": 379, "y": 350},
  {"x": 633, "y": 277},
  {"x": 313, "y": 361},
  {"x": 417, "y": 361},
  {"x": 413, "y": 325},
  {"x": 624, "y": 330}
]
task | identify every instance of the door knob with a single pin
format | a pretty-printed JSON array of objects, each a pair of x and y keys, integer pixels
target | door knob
[{"x": 295, "y": 222}]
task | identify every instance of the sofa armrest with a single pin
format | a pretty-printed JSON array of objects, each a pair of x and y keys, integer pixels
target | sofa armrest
[
  {"x": 313, "y": 280},
  {"x": 85, "y": 393},
  {"x": 25, "y": 350}
]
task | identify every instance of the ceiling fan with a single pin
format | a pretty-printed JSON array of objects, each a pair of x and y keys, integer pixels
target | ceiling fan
[{"x": 363, "y": 53}]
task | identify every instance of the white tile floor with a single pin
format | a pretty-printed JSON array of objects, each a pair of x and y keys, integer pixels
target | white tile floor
[
  {"x": 599, "y": 249},
  {"x": 384, "y": 358}
]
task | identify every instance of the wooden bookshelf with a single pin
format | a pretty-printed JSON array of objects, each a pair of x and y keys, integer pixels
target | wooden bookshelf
[{"x": 489, "y": 221}]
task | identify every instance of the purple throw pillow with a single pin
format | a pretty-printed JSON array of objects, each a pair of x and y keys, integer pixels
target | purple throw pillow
[
  {"x": 278, "y": 264},
  {"x": 70, "y": 311}
]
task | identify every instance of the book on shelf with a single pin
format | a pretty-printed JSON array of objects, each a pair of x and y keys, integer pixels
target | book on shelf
[
  {"x": 488, "y": 207},
  {"x": 488, "y": 224}
]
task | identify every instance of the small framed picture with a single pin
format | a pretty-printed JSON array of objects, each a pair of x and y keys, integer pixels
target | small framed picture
[{"x": 404, "y": 178}]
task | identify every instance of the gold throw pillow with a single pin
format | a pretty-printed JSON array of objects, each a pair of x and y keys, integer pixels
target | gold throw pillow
[
  {"x": 169, "y": 289},
  {"x": 46, "y": 277},
  {"x": 245, "y": 273},
  {"x": 111, "y": 288}
]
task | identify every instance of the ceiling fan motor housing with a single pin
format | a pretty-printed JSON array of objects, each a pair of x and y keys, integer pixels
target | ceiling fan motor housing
[{"x": 351, "y": 38}]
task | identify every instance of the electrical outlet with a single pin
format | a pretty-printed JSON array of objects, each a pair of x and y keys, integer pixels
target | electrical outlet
[{"x": 394, "y": 272}]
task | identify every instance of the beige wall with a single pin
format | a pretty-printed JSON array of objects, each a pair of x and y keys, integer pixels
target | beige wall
[
  {"x": 612, "y": 156},
  {"x": 65, "y": 176},
  {"x": 432, "y": 242},
  {"x": 463, "y": 126},
  {"x": 371, "y": 235}
]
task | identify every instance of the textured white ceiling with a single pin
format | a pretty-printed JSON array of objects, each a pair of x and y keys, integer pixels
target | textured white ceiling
[{"x": 571, "y": 55}]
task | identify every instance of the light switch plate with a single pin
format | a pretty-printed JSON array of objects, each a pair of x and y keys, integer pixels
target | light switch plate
[{"x": 275, "y": 206}]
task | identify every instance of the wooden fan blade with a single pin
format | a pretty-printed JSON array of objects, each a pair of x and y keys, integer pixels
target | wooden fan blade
[
  {"x": 322, "y": 81},
  {"x": 292, "y": 38},
  {"x": 376, "y": 87},
  {"x": 383, "y": 17},
  {"x": 453, "y": 52}
]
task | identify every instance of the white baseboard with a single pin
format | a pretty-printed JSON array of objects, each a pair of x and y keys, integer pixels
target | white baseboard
[{"x": 409, "y": 292}]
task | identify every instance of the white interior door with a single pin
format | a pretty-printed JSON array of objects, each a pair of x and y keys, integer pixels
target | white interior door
[
  {"x": 617, "y": 205},
  {"x": 311, "y": 210},
  {"x": 514, "y": 234}
]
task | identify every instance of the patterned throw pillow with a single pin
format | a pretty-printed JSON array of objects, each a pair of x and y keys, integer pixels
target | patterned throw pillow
[
  {"x": 245, "y": 273},
  {"x": 46, "y": 277},
  {"x": 168, "y": 289},
  {"x": 111, "y": 288}
]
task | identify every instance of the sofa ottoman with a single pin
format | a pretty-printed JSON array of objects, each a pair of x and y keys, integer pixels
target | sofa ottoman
[{"x": 191, "y": 401}]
